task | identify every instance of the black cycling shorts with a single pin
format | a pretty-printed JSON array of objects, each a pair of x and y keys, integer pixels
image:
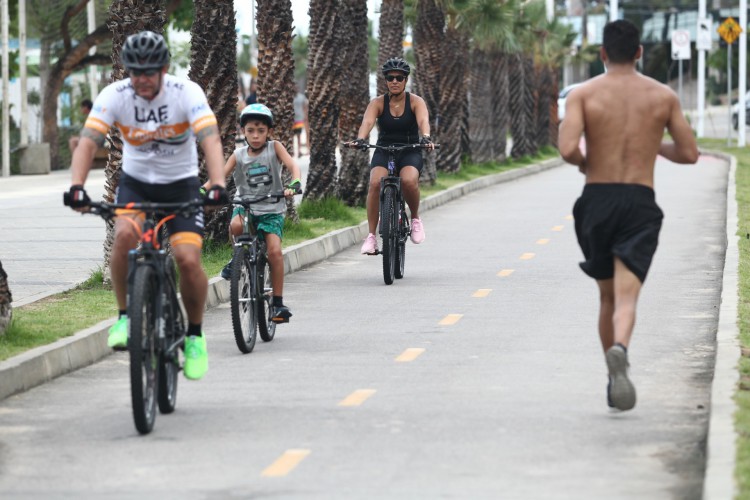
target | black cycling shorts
[
  {"x": 620, "y": 220},
  {"x": 405, "y": 158},
  {"x": 133, "y": 190}
]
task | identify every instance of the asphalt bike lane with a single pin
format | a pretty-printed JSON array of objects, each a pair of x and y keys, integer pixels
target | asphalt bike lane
[{"x": 478, "y": 375}]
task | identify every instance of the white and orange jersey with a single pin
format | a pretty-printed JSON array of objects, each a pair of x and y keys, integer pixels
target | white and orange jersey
[{"x": 158, "y": 135}]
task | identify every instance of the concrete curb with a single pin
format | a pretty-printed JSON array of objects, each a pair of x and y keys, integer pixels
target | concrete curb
[
  {"x": 721, "y": 447},
  {"x": 88, "y": 346}
]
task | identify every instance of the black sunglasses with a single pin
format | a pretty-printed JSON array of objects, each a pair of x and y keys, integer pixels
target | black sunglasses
[
  {"x": 142, "y": 72},
  {"x": 398, "y": 78}
]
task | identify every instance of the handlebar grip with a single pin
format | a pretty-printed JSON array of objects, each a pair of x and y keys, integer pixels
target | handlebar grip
[{"x": 66, "y": 199}]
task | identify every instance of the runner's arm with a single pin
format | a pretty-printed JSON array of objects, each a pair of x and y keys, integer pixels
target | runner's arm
[
  {"x": 684, "y": 148},
  {"x": 571, "y": 129}
]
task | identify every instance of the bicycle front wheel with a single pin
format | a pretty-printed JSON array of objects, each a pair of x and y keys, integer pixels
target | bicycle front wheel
[
  {"x": 389, "y": 232},
  {"x": 266, "y": 327},
  {"x": 169, "y": 361},
  {"x": 242, "y": 299},
  {"x": 144, "y": 357}
]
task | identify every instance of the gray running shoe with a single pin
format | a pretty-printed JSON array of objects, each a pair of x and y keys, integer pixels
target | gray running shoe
[{"x": 621, "y": 389}]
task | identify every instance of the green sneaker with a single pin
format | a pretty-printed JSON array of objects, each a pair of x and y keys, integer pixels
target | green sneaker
[
  {"x": 118, "y": 334},
  {"x": 196, "y": 357}
]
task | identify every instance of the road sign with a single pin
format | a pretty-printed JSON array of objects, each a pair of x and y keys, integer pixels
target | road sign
[
  {"x": 703, "y": 35},
  {"x": 729, "y": 30},
  {"x": 680, "y": 44}
]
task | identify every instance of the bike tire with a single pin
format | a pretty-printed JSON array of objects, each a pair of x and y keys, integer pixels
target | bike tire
[
  {"x": 266, "y": 327},
  {"x": 169, "y": 363},
  {"x": 242, "y": 300},
  {"x": 403, "y": 232},
  {"x": 143, "y": 349},
  {"x": 389, "y": 232}
]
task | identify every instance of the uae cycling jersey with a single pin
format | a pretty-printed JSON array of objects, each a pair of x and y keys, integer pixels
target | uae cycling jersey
[{"x": 158, "y": 135}]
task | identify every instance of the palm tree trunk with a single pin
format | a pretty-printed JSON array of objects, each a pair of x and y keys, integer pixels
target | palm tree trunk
[
  {"x": 500, "y": 114},
  {"x": 428, "y": 49},
  {"x": 6, "y": 298},
  {"x": 276, "y": 87},
  {"x": 126, "y": 17},
  {"x": 543, "y": 106},
  {"x": 325, "y": 73},
  {"x": 521, "y": 100},
  {"x": 481, "y": 131},
  {"x": 390, "y": 35},
  {"x": 354, "y": 171},
  {"x": 554, "y": 90},
  {"x": 453, "y": 99},
  {"x": 213, "y": 66}
]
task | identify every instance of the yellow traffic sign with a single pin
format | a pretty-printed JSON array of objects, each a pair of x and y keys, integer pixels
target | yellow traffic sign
[{"x": 729, "y": 30}]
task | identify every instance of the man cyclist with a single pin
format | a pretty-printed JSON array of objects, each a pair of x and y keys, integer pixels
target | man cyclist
[
  {"x": 402, "y": 118},
  {"x": 160, "y": 117}
]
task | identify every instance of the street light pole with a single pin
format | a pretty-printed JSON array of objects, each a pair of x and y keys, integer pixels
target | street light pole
[
  {"x": 22, "y": 68},
  {"x": 6, "y": 90},
  {"x": 742, "y": 75}
]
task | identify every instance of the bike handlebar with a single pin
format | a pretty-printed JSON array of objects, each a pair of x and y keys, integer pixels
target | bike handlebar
[
  {"x": 395, "y": 148},
  {"x": 108, "y": 210},
  {"x": 245, "y": 202}
]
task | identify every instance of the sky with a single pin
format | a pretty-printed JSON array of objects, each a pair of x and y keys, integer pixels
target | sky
[{"x": 244, "y": 10}]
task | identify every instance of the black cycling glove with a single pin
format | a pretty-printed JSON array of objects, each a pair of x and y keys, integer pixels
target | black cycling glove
[
  {"x": 425, "y": 140},
  {"x": 360, "y": 144},
  {"x": 76, "y": 197},
  {"x": 217, "y": 195}
]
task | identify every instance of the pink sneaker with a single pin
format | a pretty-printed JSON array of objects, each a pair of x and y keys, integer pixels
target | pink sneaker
[
  {"x": 370, "y": 246},
  {"x": 417, "y": 231}
]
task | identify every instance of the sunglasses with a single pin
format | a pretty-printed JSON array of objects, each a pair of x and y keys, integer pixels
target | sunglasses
[
  {"x": 144, "y": 72},
  {"x": 398, "y": 78}
]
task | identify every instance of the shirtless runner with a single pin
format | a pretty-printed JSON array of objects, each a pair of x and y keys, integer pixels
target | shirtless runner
[{"x": 622, "y": 115}]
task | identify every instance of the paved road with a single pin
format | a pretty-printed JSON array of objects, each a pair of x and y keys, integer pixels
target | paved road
[{"x": 479, "y": 375}]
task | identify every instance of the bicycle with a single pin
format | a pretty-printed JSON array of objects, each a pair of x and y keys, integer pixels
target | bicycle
[
  {"x": 250, "y": 290},
  {"x": 395, "y": 228},
  {"x": 156, "y": 326}
]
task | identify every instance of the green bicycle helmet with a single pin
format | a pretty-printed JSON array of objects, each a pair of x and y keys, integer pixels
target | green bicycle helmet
[{"x": 256, "y": 111}]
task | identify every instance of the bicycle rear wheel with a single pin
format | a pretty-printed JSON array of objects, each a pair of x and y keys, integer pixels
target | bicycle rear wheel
[
  {"x": 174, "y": 328},
  {"x": 389, "y": 232},
  {"x": 143, "y": 350},
  {"x": 266, "y": 327},
  {"x": 242, "y": 300},
  {"x": 403, "y": 231}
]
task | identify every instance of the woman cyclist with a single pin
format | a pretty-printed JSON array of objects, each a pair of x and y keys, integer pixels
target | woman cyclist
[{"x": 402, "y": 118}]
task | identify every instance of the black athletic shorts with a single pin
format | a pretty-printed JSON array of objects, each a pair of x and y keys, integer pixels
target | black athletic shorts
[
  {"x": 405, "y": 158},
  {"x": 620, "y": 220},
  {"x": 130, "y": 189}
]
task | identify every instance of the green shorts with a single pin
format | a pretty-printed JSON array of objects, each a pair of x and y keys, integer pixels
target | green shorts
[{"x": 264, "y": 223}]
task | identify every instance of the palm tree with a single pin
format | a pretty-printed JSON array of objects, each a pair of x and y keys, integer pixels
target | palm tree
[
  {"x": 6, "y": 298},
  {"x": 323, "y": 90},
  {"x": 213, "y": 66},
  {"x": 354, "y": 171},
  {"x": 492, "y": 32},
  {"x": 522, "y": 87},
  {"x": 126, "y": 17},
  {"x": 428, "y": 52},
  {"x": 276, "y": 87},
  {"x": 390, "y": 35}
]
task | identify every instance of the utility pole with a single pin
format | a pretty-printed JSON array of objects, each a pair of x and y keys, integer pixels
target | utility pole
[
  {"x": 22, "y": 68},
  {"x": 742, "y": 75},
  {"x": 6, "y": 90},
  {"x": 701, "y": 101},
  {"x": 613, "y": 8},
  {"x": 93, "y": 80}
]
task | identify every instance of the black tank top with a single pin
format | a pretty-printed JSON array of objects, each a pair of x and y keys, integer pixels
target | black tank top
[{"x": 397, "y": 130}]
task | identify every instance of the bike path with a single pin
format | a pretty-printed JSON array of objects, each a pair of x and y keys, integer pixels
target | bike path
[{"x": 280, "y": 395}]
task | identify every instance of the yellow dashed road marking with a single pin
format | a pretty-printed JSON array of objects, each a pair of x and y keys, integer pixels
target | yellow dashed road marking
[
  {"x": 451, "y": 319},
  {"x": 357, "y": 397},
  {"x": 410, "y": 354},
  {"x": 543, "y": 241},
  {"x": 285, "y": 463},
  {"x": 558, "y": 228},
  {"x": 527, "y": 256},
  {"x": 482, "y": 292},
  {"x": 505, "y": 272}
]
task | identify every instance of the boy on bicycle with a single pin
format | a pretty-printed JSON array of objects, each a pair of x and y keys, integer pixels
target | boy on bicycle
[{"x": 259, "y": 173}]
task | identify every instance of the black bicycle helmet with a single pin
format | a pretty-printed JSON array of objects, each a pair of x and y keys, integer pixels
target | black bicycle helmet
[
  {"x": 396, "y": 64},
  {"x": 144, "y": 50},
  {"x": 256, "y": 111}
]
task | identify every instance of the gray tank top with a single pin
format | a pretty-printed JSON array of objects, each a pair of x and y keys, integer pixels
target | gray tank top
[{"x": 259, "y": 175}]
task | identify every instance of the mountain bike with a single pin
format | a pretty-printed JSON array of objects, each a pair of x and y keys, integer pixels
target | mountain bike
[
  {"x": 394, "y": 222},
  {"x": 156, "y": 322},
  {"x": 250, "y": 291}
]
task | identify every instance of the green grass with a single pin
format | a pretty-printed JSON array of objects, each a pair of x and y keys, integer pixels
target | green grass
[{"x": 62, "y": 315}]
